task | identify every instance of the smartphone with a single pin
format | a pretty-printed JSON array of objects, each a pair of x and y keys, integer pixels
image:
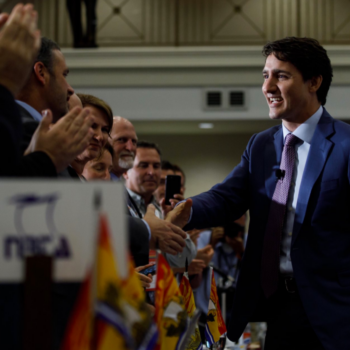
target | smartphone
[
  {"x": 149, "y": 270},
  {"x": 172, "y": 186}
]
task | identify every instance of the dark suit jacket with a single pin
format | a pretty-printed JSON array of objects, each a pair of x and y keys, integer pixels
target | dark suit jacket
[
  {"x": 138, "y": 234},
  {"x": 320, "y": 248},
  {"x": 36, "y": 164}
]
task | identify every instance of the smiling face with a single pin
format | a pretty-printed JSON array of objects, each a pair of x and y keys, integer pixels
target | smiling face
[
  {"x": 99, "y": 168},
  {"x": 288, "y": 96},
  {"x": 123, "y": 140},
  {"x": 98, "y": 141},
  {"x": 143, "y": 178}
]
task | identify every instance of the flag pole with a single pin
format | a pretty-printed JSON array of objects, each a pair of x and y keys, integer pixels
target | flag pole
[{"x": 97, "y": 205}]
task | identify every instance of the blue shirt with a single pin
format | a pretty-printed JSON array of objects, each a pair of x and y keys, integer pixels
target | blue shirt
[
  {"x": 224, "y": 256},
  {"x": 304, "y": 132},
  {"x": 33, "y": 112}
]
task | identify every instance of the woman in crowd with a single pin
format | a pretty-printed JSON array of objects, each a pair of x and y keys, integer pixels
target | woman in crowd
[
  {"x": 103, "y": 121},
  {"x": 100, "y": 167}
]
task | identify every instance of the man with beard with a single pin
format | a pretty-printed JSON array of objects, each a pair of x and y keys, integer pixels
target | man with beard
[
  {"x": 46, "y": 88},
  {"x": 123, "y": 141},
  {"x": 167, "y": 238}
]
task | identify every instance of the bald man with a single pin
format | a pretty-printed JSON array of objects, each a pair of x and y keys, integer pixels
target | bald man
[{"x": 123, "y": 140}]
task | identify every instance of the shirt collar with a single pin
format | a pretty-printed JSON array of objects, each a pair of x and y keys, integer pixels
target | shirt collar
[
  {"x": 305, "y": 131},
  {"x": 33, "y": 112},
  {"x": 138, "y": 199}
]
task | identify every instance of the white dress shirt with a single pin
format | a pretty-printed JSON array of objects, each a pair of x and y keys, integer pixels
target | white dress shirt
[{"x": 304, "y": 132}]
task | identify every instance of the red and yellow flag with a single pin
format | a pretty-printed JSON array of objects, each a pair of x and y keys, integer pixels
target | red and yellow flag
[
  {"x": 215, "y": 326},
  {"x": 98, "y": 319},
  {"x": 138, "y": 317},
  {"x": 79, "y": 329},
  {"x": 195, "y": 342},
  {"x": 110, "y": 328},
  {"x": 170, "y": 314}
]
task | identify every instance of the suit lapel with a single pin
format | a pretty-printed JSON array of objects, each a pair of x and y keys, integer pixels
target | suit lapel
[
  {"x": 272, "y": 160},
  {"x": 317, "y": 157}
]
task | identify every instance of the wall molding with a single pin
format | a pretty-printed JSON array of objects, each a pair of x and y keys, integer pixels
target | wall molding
[{"x": 194, "y": 57}]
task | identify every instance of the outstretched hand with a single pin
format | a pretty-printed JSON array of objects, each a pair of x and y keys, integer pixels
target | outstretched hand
[
  {"x": 173, "y": 201},
  {"x": 164, "y": 235},
  {"x": 19, "y": 44},
  {"x": 66, "y": 139},
  {"x": 180, "y": 215}
]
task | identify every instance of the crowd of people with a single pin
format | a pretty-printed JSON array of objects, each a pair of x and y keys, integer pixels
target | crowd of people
[
  {"x": 55, "y": 133},
  {"x": 292, "y": 268}
]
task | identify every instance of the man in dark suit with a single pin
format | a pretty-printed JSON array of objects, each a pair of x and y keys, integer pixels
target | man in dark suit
[
  {"x": 45, "y": 158},
  {"x": 296, "y": 268},
  {"x": 46, "y": 88}
]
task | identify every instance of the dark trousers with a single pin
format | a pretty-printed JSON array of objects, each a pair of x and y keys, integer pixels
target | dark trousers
[
  {"x": 288, "y": 327},
  {"x": 74, "y": 9}
]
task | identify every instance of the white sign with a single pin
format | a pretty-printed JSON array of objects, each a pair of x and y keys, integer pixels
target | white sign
[{"x": 58, "y": 218}]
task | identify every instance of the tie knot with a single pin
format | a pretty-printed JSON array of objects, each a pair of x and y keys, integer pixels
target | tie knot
[{"x": 291, "y": 140}]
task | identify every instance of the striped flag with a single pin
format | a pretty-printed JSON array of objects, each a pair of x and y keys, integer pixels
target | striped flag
[
  {"x": 195, "y": 342},
  {"x": 170, "y": 314},
  {"x": 110, "y": 313},
  {"x": 215, "y": 326}
]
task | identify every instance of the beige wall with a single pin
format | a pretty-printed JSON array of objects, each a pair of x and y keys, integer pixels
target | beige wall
[
  {"x": 206, "y": 159},
  {"x": 200, "y": 22}
]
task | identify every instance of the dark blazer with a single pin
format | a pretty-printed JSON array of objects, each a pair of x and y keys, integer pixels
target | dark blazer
[
  {"x": 138, "y": 240},
  {"x": 37, "y": 164},
  {"x": 320, "y": 250}
]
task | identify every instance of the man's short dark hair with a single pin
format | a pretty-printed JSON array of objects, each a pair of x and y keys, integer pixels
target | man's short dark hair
[
  {"x": 45, "y": 53},
  {"x": 166, "y": 165},
  {"x": 146, "y": 144},
  {"x": 308, "y": 56}
]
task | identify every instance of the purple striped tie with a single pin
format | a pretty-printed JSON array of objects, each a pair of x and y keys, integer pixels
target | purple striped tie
[{"x": 272, "y": 239}]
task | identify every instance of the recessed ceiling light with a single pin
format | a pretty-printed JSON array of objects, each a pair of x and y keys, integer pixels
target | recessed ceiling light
[{"x": 206, "y": 125}]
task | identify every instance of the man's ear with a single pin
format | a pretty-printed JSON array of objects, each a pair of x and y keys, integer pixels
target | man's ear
[
  {"x": 41, "y": 72},
  {"x": 315, "y": 83},
  {"x": 125, "y": 175}
]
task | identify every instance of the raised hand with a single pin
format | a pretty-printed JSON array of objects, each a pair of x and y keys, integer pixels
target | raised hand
[
  {"x": 66, "y": 139},
  {"x": 196, "y": 266},
  {"x": 180, "y": 215},
  {"x": 217, "y": 235},
  {"x": 166, "y": 208},
  {"x": 205, "y": 254},
  {"x": 19, "y": 45}
]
